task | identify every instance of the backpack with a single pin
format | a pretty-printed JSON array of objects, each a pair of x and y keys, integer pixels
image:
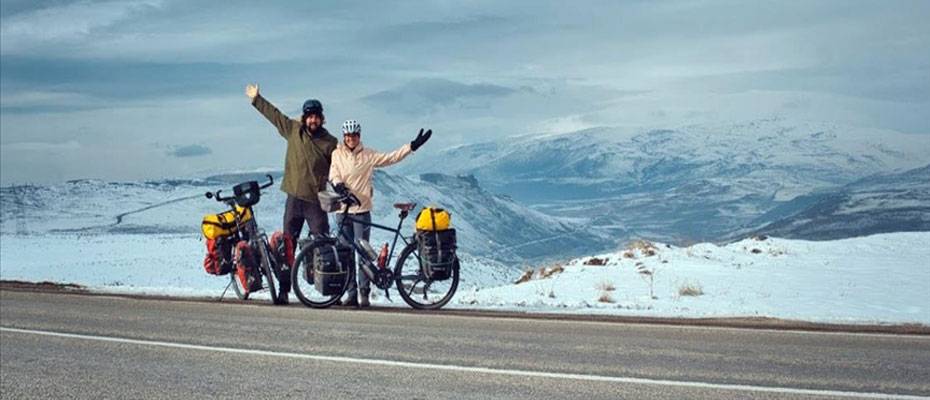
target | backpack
[
  {"x": 437, "y": 253},
  {"x": 219, "y": 256},
  {"x": 433, "y": 219},
  {"x": 224, "y": 224}
]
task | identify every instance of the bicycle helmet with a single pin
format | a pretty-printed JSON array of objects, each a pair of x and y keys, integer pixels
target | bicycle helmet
[
  {"x": 313, "y": 106},
  {"x": 351, "y": 126}
]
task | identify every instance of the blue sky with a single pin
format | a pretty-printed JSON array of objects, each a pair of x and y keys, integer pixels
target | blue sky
[{"x": 150, "y": 89}]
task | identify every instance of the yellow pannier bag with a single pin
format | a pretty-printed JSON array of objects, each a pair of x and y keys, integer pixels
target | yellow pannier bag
[
  {"x": 433, "y": 219},
  {"x": 217, "y": 225}
]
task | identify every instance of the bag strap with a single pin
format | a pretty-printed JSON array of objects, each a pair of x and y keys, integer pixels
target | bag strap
[
  {"x": 338, "y": 261},
  {"x": 432, "y": 215}
]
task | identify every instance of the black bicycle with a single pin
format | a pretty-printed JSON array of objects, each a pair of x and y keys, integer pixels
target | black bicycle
[
  {"x": 319, "y": 283},
  {"x": 245, "y": 195}
]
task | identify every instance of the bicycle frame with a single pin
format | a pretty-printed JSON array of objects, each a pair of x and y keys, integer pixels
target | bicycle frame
[{"x": 388, "y": 279}]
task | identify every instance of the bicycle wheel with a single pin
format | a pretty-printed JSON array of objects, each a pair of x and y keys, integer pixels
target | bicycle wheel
[
  {"x": 237, "y": 287},
  {"x": 302, "y": 278},
  {"x": 415, "y": 288},
  {"x": 268, "y": 271}
]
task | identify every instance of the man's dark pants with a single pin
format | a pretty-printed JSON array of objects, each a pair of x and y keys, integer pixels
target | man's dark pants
[{"x": 296, "y": 212}]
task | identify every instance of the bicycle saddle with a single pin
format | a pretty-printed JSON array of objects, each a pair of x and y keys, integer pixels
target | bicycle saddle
[{"x": 404, "y": 206}]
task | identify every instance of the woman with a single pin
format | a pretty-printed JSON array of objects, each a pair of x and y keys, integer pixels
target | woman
[{"x": 353, "y": 166}]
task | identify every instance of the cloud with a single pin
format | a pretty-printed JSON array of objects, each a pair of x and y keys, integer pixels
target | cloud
[
  {"x": 45, "y": 147},
  {"x": 194, "y": 150},
  {"x": 174, "y": 71},
  {"x": 65, "y": 24},
  {"x": 426, "y": 95}
]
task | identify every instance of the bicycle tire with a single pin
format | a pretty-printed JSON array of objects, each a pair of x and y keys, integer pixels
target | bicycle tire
[
  {"x": 268, "y": 271},
  {"x": 302, "y": 278},
  {"x": 413, "y": 274}
]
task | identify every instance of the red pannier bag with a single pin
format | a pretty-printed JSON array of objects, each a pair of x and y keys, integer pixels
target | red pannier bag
[
  {"x": 283, "y": 247},
  {"x": 218, "y": 260},
  {"x": 247, "y": 269}
]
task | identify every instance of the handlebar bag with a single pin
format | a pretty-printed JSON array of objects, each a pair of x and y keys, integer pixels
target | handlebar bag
[
  {"x": 331, "y": 265},
  {"x": 224, "y": 224},
  {"x": 247, "y": 193},
  {"x": 437, "y": 253},
  {"x": 433, "y": 219},
  {"x": 330, "y": 201}
]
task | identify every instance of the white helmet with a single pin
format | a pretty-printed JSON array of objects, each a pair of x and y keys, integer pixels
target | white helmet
[{"x": 351, "y": 126}]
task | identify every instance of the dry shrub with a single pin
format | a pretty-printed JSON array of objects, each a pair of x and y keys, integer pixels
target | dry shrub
[
  {"x": 755, "y": 251},
  {"x": 527, "y": 275},
  {"x": 690, "y": 289},
  {"x": 644, "y": 247},
  {"x": 628, "y": 254},
  {"x": 606, "y": 298},
  {"x": 547, "y": 272},
  {"x": 596, "y": 261},
  {"x": 605, "y": 286}
]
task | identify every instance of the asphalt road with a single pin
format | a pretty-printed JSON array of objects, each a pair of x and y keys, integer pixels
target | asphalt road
[{"x": 56, "y": 345}]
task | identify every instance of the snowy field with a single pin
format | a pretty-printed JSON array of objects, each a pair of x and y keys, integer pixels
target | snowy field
[{"x": 876, "y": 279}]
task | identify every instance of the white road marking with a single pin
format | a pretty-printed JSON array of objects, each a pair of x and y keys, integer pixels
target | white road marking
[{"x": 480, "y": 370}]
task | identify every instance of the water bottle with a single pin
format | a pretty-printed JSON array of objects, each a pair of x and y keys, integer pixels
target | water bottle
[{"x": 382, "y": 258}]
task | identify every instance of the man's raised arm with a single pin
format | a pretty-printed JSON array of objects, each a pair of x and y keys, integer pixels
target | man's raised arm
[{"x": 275, "y": 116}]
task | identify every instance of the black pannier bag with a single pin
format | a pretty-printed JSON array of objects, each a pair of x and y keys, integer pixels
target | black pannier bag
[
  {"x": 437, "y": 253},
  {"x": 331, "y": 263}
]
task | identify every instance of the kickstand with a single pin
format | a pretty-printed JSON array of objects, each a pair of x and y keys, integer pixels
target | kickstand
[
  {"x": 224, "y": 290},
  {"x": 387, "y": 295}
]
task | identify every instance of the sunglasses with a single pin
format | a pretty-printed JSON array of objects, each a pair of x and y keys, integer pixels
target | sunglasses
[{"x": 353, "y": 134}]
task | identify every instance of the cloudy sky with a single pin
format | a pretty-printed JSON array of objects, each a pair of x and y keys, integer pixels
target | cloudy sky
[{"x": 149, "y": 89}]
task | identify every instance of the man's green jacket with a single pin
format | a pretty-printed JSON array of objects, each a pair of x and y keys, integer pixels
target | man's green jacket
[{"x": 306, "y": 166}]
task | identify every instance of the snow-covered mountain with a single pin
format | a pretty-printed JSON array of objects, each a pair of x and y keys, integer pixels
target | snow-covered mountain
[
  {"x": 692, "y": 183},
  {"x": 489, "y": 226},
  {"x": 877, "y": 204}
]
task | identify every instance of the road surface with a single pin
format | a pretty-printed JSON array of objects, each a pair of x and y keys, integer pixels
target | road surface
[{"x": 55, "y": 345}]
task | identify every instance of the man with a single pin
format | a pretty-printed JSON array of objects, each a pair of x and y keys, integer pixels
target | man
[{"x": 306, "y": 168}]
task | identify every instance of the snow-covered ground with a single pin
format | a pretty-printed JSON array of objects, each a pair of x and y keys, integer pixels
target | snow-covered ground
[{"x": 876, "y": 279}]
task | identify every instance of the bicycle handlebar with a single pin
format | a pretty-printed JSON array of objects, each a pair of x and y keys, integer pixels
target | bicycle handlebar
[
  {"x": 219, "y": 198},
  {"x": 270, "y": 182}
]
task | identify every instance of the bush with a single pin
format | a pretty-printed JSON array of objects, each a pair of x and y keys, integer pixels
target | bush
[
  {"x": 547, "y": 272},
  {"x": 596, "y": 261},
  {"x": 690, "y": 289},
  {"x": 527, "y": 275},
  {"x": 645, "y": 247}
]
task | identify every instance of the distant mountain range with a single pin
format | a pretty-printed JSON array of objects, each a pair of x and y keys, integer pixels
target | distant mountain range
[
  {"x": 695, "y": 183},
  {"x": 528, "y": 199},
  {"x": 490, "y": 226},
  {"x": 878, "y": 204}
]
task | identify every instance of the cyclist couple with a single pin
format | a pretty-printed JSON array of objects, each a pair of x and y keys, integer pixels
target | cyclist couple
[{"x": 314, "y": 156}]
